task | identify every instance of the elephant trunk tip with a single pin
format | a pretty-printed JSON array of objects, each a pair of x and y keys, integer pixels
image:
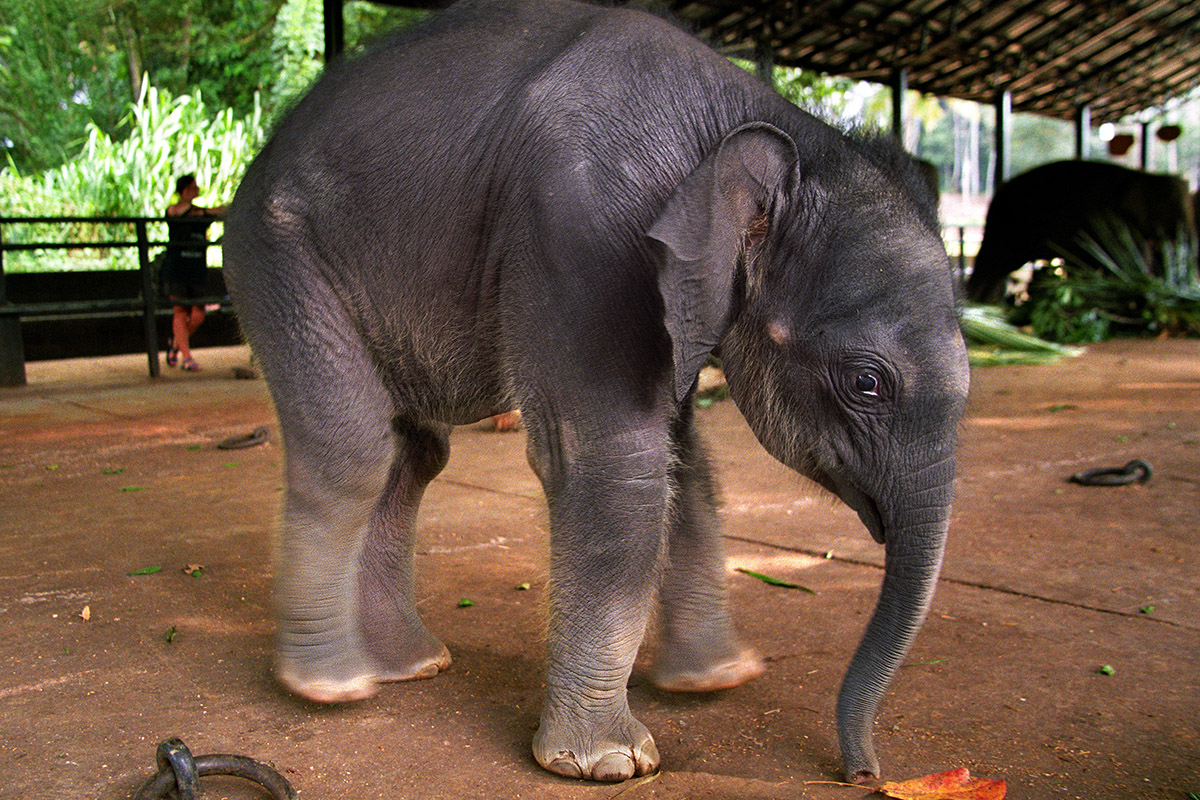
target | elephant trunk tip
[{"x": 862, "y": 777}]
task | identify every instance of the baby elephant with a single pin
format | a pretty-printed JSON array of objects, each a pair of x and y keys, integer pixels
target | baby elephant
[{"x": 563, "y": 209}]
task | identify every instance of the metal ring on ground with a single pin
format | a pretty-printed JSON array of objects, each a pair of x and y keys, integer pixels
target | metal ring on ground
[
  {"x": 1136, "y": 471},
  {"x": 178, "y": 773}
]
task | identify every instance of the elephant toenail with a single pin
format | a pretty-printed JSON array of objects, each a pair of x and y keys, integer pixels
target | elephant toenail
[
  {"x": 613, "y": 767},
  {"x": 566, "y": 765}
]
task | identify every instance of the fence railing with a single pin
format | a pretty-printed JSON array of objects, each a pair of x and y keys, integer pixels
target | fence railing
[
  {"x": 145, "y": 304},
  {"x": 12, "y": 355}
]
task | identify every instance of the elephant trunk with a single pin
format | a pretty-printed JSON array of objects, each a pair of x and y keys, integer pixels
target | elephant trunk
[{"x": 913, "y": 553}]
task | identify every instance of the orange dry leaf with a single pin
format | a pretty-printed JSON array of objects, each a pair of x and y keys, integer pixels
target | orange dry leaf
[{"x": 955, "y": 784}]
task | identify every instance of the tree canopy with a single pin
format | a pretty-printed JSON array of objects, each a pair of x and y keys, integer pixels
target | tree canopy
[
  {"x": 67, "y": 63},
  {"x": 72, "y": 70}
]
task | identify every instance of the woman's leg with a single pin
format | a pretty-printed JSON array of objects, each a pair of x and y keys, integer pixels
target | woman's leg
[
  {"x": 184, "y": 322},
  {"x": 180, "y": 329}
]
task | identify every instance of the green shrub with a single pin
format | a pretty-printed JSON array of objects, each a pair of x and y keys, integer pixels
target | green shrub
[{"x": 134, "y": 174}]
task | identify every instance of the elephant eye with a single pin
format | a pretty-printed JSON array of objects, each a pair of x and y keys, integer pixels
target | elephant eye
[{"x": 867, "y": 383}]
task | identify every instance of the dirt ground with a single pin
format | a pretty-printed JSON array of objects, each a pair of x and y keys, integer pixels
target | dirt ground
[{"x": 104, "y": 473}]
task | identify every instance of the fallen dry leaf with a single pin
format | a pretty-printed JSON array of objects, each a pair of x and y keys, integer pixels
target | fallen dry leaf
[
  {"x": 954, "y": 784},
  {"x": 86, "y": 614}
]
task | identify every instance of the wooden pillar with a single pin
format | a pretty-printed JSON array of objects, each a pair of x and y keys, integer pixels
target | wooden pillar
[
  {"x": 899, "y": 90},
  {"x": 149, "y": 299},
  {"x": 335, "y": 29},
  {"x": 764, "y": 63},
  {"x": 1003, "y": 138},
  {"x": 12, "y": 348},
  {"x": 1083, "y": 130}
]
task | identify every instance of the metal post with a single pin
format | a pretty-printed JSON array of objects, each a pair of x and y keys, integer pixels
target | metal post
[
  {"x": 1144, "y": 147},
  {"x": 335, "y": 29},
  {"x": 12, "y": 348},
  {"x": 962, "y": 252},
  {"x": 1003, "y": 137},
  {"x": 149, "y": 298},
  {"x": 899, "y": 90},
  {"x": 764, "y": 63},
  {"x": 1083, "y": 130}
]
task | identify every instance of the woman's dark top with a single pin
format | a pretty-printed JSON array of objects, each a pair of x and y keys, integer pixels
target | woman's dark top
[{"x": 187, "y": 248}]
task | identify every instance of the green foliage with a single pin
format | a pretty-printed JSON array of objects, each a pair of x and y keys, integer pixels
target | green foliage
[
  {"x": 88, "y": 133},
  {"x": 367, "y": 21},
  {"x": 298, "y": 44},
  {"x": 992, "y": 341},
  {"x": 1116, "y": 295},
  {"x": 221, "y": 48},
  {"x": 813, "y": 91},
  {"x": 56, "y": 76},
  {"x": 133, "y": 174}
]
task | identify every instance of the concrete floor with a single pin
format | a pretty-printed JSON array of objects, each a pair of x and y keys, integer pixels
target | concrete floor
[{"x": 104, "y": 472}]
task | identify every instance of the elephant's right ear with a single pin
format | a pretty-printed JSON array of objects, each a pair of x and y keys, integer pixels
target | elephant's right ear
[{"x": 717, "y": 210}]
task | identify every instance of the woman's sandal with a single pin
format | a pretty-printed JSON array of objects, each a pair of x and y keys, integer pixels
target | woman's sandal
[
  {"x": 172, "y": 353},
  {"x": 189, "y": 365}
]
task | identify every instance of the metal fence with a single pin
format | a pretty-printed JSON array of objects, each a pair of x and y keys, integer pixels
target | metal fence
[
  {"x": 146, "y": 304},
  {"x": 961, "y": 244}
]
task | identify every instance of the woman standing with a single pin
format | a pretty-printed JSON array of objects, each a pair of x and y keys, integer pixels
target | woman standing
[{"x": 185, "y": 271}]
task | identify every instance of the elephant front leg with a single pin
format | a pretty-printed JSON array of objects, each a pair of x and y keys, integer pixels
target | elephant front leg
[
  {"x": 698, "y": 648},
  {"x": 607, "y": 528}
]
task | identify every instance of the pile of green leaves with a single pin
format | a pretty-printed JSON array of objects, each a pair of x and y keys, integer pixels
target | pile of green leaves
[
  {"x": 993, "y": 341},
  {"x": 1116, "y": 295}
]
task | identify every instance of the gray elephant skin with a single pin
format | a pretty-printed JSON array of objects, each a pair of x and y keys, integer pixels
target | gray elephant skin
[
  {"x": 1040, "y": 214},
  {"x": 566, "y": 209}
]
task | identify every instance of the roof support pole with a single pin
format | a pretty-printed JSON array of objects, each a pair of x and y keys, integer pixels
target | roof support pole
[
  {"x": 1003, "y": 138},
  {"x": 1144, "y": 147},
  {"x": 1083, "y": 130},
  {"x": 899, "y": 90},
  {"x": 764, "y": 63},
  {"x": 335, "y": 29}
]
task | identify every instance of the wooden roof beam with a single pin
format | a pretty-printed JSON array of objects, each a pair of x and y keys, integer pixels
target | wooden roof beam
[{"x": 1099, "y": 37}]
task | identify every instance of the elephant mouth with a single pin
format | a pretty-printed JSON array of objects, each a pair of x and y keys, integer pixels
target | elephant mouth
[{"x": 862, "y": 503}]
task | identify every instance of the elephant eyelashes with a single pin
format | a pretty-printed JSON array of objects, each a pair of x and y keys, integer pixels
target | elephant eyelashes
[{"x": 867, "y": 383}]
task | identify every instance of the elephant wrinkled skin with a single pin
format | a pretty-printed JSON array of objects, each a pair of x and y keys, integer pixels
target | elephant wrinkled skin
[{"x": 565, "y": 210}]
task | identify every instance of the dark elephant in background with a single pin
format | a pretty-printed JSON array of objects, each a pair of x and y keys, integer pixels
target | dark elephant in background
[
  {"x": 565, "y": 209},
  {"x": 1039, "y": 214}
]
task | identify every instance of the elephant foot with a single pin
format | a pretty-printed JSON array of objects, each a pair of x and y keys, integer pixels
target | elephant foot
[
  {"x": 620, "y": 751},
  {"x": 414, "y": 667},
  {"x": 678, "y": 675},
  {"x": 325, "y": 685},
  {"x": 401, "y": 647}
]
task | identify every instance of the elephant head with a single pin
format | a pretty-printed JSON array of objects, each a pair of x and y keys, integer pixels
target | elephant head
[{"x": 827, "y": 289}]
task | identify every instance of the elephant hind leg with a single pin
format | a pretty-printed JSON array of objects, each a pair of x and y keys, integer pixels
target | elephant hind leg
[
  {"x": 699, "y": 651},
  {"x": 396, "y": 638},
  {"x": 335, "y": 416}
]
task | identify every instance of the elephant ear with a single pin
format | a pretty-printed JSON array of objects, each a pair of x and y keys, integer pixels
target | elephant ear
[{"x": 719, "y": 209}]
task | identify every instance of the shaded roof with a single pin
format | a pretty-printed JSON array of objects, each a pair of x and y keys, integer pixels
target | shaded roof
[{"x": 1115, "y": 56}]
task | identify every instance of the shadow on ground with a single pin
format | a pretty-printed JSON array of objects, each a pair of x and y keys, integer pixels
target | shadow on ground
[{"x": 105, "y": 473}]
